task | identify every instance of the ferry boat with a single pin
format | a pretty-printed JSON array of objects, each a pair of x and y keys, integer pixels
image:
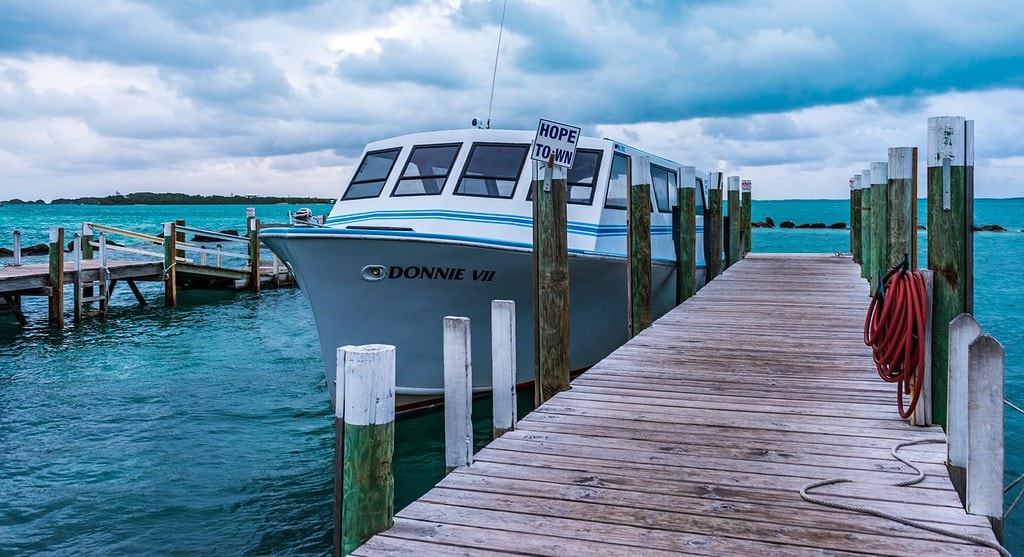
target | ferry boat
[{"x": 440, "y": 223}]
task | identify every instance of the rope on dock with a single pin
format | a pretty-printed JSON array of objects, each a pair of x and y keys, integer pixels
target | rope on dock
[{"x": 889, "y": 516}]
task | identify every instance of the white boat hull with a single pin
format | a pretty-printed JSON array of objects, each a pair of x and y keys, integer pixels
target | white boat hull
[{"x": 428, "y": 279}]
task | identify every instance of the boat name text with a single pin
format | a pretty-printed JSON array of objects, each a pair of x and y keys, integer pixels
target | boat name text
[{"x": 439, "y": 273}]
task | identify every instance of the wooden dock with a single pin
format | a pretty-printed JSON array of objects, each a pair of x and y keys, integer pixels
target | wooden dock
[
  {"x": 697, "y": 436},
  {"x": 172, "y": 266}
]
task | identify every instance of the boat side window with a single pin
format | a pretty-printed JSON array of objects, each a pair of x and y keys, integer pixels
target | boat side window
[
  {"x": 492, "y": 170},
  {"x": 581, "y": 177},
  {"x": 699, "y": 198},
  {"x": 664, "y": 182},
  {"x": 426, "y": 170},
  {"x": 618, "y": 183},
  {"x": 372, "y": 173}
]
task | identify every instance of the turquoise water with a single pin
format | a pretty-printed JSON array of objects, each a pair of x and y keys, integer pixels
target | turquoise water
[{"x": 205, "y": 429}]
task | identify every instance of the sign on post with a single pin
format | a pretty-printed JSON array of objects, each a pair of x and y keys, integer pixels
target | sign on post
[{"x": 555, "y": 139}]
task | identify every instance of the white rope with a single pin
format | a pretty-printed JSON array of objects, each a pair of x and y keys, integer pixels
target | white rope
[{"x": 889, "y": 516}]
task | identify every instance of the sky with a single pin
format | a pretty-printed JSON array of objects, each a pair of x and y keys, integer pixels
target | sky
[{"x": 278, "y": 97}]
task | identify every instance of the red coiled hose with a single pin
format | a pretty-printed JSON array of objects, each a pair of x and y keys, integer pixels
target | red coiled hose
[{"x": 894, "y": 329}]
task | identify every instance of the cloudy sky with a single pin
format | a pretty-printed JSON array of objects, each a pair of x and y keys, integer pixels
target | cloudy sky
[{"x": 278, "y": 97}]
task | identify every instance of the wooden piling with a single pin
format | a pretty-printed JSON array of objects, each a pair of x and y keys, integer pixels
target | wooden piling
[
  {"x": 551, "y": 272},
  {"x": 170, "y": 264},
  {"x": 254, "y": 253},
  {"x": 879, "y": 222},
  {"x": 922, "y": 415},
  {"x": 713, "y": 228},
  {"x": 458, "y": 393},
  {"x": 735, "y": 249},
  {"x": 902, "y": 206},
  {"x": 950, "y": 238},
  {"x": 364, "y": 484},
  {"x": 986, "y": 365},
  {"x": 17, "y": 248},
  {"x": 77, "y": 280},
  {"x": 745, "y": 209},
  {"x": 963, "y": 330},
  {"x": 503, "y": 366},
  {"x": 56, "y": 278},
  {"x": 865, "y": 226},
  {"x": 639, "y": 232},
  {"x": 686, "y": 262},
  {"x": 855, "y": 214}
]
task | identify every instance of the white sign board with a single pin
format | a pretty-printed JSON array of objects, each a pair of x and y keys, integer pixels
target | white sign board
[
  {"x": 745, "y": 186},
  {"x": 555, "y": 139}
]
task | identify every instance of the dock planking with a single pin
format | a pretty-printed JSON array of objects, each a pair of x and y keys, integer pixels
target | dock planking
[{"x": 697, "y": 435}]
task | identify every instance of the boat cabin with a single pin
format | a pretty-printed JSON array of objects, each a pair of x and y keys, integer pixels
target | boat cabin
[{"x": 475, "y": 185}]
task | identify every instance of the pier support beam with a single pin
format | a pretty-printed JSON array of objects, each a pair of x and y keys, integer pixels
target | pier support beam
[
  {"x": 170, "y": 264},
  {"x": 551, "y": 272},
  {"x": 639, "y": 232},
  {"x": 56, "y": 278},
  {"x": 735, "y": 250},
  {"x": 686, "y": 241},
  {"x": 902, "y": 207},
  {"x": 855, "y": 214},
  {"x": 879, "y": 222},
  {"x": 503, "y": 362},
  {"x": 745, "y": 209},
  {"x": 713, "y": 228},
  {"x": 458, "y": 393},
  {"x": 253, "y": 225},
  {"x": 865, "y": 225},
  {"x": 950, "y": 238},
  {"x": 985, "y": 385},
  {"x": 364, "y": 484}
]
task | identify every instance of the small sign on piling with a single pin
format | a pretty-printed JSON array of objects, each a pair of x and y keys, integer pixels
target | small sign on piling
[{"x": 555, "y": 142}]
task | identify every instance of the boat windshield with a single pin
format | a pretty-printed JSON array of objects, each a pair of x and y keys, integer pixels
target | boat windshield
[
  {"x": 372, "y": 173},
  {"x": 427, "y": 170},
  {"x": 618, "y": 183},
  {"x": 492, "y": 170}
]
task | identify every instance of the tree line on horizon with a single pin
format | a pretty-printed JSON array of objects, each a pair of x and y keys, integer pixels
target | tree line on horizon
[{"x": 148, "y": 198}]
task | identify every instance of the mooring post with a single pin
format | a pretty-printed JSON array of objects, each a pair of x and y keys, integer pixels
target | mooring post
[
  {"x": 551, "y": 272},
  {"x": 87, "y": 253},
  {"x": 364, "y": 444},
  {"x": 254, "y": 253},
  {"x": 855, "y": 233},
  {"x": 56, "y": 277},
  {"x": 950, "y": 238},
  {"x": 713, "y": 228},
  {"x": 503, "y": 365},
  {"x": 104, "y": 275},
  {"x": 865, "y": 226},
  {"x": 986, "y": 366},
  {"x": 458, "y": 393},
  {"x": 735, "y": 222},
  {"x": 879, "y": 222},
  {"x": 901, "y": 243},
  {"x": 745, "y": 209},
  {"x": 963, "y": 330},
  {"x": 686, "y": 246},
  {"x": 639, "y": 232},
  {"x": 76, "y": 251},
  {"x": 17, "y": 247},
  {"x": 170, "y": 264},
  {"x": 922, "y": 415}
]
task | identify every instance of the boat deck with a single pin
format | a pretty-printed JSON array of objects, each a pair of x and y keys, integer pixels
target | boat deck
[{"x": 697, "y": 436}]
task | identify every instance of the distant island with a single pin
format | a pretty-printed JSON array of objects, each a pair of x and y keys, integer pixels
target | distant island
[{"x": 146, "y": 198}]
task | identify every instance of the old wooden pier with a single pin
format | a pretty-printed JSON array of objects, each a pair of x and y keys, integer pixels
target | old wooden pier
[
  {"x": 698, "y": 435},
  {"x": 168, "y": 259}
]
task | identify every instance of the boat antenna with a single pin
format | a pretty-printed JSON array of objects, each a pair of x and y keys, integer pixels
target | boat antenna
[{"x": 494, "y": 75}]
